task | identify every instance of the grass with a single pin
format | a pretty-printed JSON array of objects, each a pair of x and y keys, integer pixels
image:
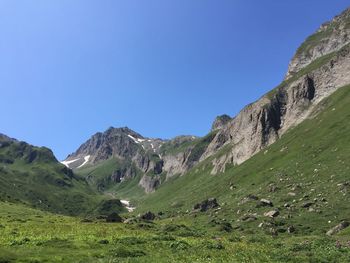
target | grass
[
  {"x": 305, "y": 174},
  {"x": 29, "y": 235},
  {"x": 317, "y": 63},
  {"x": 33, "y": 176},
  {"x": 314, "y": 169}
]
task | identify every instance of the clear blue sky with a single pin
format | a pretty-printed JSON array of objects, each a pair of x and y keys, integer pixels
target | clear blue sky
[{"x": 161, "y": 67}]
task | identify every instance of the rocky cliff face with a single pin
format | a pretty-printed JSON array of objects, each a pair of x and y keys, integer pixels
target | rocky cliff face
[
  {"x": 320, "y": 66},
  {"x": 220, "y": 122},
  {"x": 263, "y": 122},
  {"x": 330, "y": 37},
  {"x": 151, "y": 157}
]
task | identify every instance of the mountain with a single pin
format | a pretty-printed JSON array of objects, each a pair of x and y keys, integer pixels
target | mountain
[
  {"x": 319, "y": 67},
  {"x": 128, "y": 154},
  {"x": 271, "y": 184},
  {"x": 33, "y": 176}
]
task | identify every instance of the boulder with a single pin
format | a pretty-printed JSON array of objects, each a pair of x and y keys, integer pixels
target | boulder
[
  {"x": 338, "y": 228},
  {"x": 307, "y": 204},
  {"x": 291, "y": 229},
  {"x": 249, "y": 218},
  {"x": 114, "y": 218},
  {"x": 206, "y": 205},
  {"x": 272, "y": 213},
  {"x": 148, "y": 216},
  {"x": 266, "y": 202}
]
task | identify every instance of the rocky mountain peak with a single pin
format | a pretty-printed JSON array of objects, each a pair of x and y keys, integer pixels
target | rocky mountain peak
[
  {"x": 220, "y": 122},
  {"x": 331, "y": 36}
]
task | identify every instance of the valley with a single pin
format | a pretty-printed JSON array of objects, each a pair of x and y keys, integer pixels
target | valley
[{"x": 271, "y": 184}]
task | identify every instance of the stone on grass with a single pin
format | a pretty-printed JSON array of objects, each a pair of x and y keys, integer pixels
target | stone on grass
[
  {"x": 338, "y": 228},
  {"x": 266, "y": 202},
  {"x": 206, "y": 205},
  {"x": 272, "y": 213}
]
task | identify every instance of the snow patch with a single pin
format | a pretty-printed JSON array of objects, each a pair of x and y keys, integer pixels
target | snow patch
[
  {"x": 127, "y": 205},
  {"x": 136, "y": 140},
  {"x": 66, "y": 163},
  {"x": 133, "y": 138},
  {"x": 86, "y": 159}
]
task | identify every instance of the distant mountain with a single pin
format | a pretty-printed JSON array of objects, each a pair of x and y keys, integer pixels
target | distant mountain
[
  {"x": 320, "y": 66},
  {"x": 129, "y": 154},
  {"x": 33, "y": 176}
]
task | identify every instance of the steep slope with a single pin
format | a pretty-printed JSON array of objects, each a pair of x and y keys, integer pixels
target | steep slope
[
  {"x": 330, "y": 37},
  {"x": 33, "y": 176},
  {"x": 266, "y": 120},
  {"x": 319, "y": 67},
  {"x": 119, "y": 154},
  {"x": 305, "y": 175}
]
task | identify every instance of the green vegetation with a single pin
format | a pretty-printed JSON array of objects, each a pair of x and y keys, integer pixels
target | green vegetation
[
  {"x": 305, "y": 175},
  {"x": 322, "y": 35},
  {"x": 317, "y": 63},
  {"x": 28, "y": 235},
  {"x": 32, "y": 175},
  {"x": 293, "y": 171}
]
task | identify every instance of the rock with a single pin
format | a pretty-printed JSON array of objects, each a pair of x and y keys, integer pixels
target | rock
[
  {"x": 114, "y": 218},
  {"x": 338, "y": 228},
  {"x": 248, "y": 198},
  {"x": 149, "y": 216},
  {"x": 272, "y": 213},
  {"x": 331, "y": 37},
  {"x": 220, "y": 122},
  {"x": 149, "y": 183},
  {"x": 292, "y": 194},
  {"x": 252, "y": 197},
  {"x": 130, "y": 220},
  {"x": 266, "y": 202},
  {"x": 206, "y": 205},
  {"x": 249, "y": 218},
  {"x": 272, "y": 188},
  {"x": 307, "y": 204},
  {"x": 291, "y": 229}
]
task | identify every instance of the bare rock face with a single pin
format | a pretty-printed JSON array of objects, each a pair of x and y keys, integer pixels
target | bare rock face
[
  {"x": 205, "y": 205},
  {"x": 220, "y": 122},
  {"x": 338, "y": 228},
  {"x": 272, "y": 213},
  {"x": 320, "y": 66},
  {"x": 331, "y": 36},
  {"x": 149, "y": 183},
  {"x": 264, "y": 121}
]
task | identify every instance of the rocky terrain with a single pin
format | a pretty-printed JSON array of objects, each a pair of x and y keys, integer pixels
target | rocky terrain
[{"x": 319, "y": 67}]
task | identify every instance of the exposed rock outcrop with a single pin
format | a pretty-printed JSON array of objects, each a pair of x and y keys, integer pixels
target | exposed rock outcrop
[
  {"x": 220, "y": 122},
  {"x": 320, "y": 66},
  {"x": 150, "y": 183},
  {"x": 338, "y": 228},
  {"x": 331, "y": 36},
  {"x": 206, "y": 205},
  {"x": 263, "y": 122}
]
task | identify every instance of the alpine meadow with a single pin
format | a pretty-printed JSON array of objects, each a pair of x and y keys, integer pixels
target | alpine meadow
[{"x": 269, "y": 184}]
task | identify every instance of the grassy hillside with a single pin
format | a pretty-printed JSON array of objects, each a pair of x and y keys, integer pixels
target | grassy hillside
[
  {"x": 309, "y": 164},
  {"x": 32, "y": 175},
  {"x": 29, "y": 235}
]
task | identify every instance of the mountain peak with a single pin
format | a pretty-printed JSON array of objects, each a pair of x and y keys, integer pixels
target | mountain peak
[
  {"x": 330, "y": 37},
  {"x": 220, "y": 121}
]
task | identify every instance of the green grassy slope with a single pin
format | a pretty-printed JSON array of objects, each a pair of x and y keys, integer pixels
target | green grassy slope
[
  {"x": 33, "y": 176},
  {"x": 29, "y": 235},
  {"x": 308, "y": 164}
]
